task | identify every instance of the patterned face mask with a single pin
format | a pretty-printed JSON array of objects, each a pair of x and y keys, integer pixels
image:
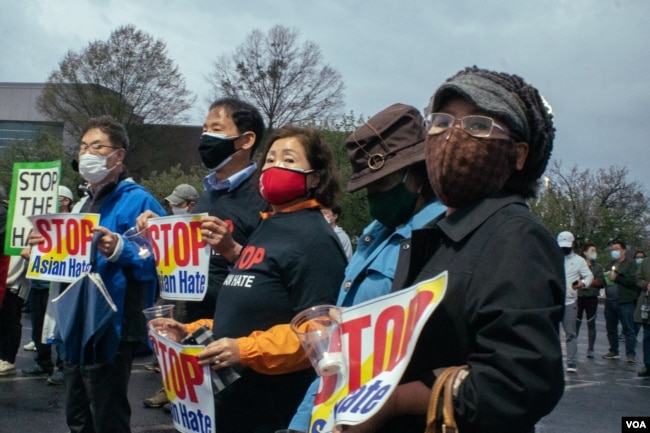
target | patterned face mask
[{"x": 463, "y": 169}]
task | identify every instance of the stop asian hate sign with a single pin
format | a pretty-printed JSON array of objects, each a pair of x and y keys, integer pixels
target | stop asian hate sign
[
  {"x": 64, "y": 255},
  {"x": 182, "y": 256}
]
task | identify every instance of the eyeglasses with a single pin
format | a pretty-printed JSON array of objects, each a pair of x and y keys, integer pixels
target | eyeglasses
[
  {"x": 94, "y": 147},
  {"x": 477, "y": 126}
]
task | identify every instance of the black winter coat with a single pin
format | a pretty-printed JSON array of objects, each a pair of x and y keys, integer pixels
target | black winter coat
[{"x": 500, "y": 315}]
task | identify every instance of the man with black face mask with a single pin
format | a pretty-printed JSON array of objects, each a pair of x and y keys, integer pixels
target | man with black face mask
[
  {"x": 232, "y": 131},
  {"x": 578, "y": 276}
]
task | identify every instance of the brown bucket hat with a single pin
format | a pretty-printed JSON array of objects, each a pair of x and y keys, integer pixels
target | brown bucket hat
[{"x": 389, "y": 141}]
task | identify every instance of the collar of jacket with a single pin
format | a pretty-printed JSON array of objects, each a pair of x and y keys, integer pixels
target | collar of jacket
[{"x": 465, "y": 220}]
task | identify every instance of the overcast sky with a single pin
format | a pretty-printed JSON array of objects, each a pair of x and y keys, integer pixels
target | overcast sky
[{"x": 589, "y": 58}]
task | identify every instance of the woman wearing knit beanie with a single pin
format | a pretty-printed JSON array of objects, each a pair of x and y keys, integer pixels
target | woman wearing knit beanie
[{"x": 489, "y": 139}]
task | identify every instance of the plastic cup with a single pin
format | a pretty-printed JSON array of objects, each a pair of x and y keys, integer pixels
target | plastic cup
[
  {"x": 141, "y": 241},
  {"x": 319, "y": 333},
  {"x": 159, "y": 312}
]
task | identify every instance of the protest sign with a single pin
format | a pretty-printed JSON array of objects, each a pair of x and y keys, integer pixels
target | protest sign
[
  {"x": 34, "y": 191},
  {"x": 182, "y": 257},
  {"x": 378, "y": 338},
  {"x": 65, "y": 254},
  {"x": 187, "y": 384}
]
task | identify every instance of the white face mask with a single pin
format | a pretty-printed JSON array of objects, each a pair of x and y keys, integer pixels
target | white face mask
[
  {"x": 93, "y": 167},
  {"x": 179, "y": 210}
]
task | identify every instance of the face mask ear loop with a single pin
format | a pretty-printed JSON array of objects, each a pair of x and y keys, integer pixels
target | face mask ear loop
[
  {"x": 406, "y": 174},
  {"x": 404, "y": 180}
]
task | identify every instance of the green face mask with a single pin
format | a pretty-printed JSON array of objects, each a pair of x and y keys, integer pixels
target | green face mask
[{"x": 393, "y": 207}]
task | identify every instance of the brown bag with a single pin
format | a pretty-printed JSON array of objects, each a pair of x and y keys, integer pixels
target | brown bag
[{"x": 442, "y": 390}]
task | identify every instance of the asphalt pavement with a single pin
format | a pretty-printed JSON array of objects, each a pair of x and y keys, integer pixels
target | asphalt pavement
[{"x": 595, "y": 398}]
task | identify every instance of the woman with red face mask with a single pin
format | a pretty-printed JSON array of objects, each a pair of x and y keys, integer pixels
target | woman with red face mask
[{"x": 292, "y": 261}]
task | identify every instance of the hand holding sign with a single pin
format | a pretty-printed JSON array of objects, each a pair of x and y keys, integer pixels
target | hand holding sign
[
  {"x": 108, "y": 242},
  {"x": 218, "y": 234},
  {"x": 221, "y": 353}
]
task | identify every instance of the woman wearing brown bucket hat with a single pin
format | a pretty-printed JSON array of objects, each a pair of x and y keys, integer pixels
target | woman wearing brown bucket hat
[
  {"x": 489, "y": 139},
  {"x": 387, "y": 157}
]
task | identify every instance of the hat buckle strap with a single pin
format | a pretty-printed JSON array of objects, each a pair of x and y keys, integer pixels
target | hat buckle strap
[{"x": 376, "y": 161}]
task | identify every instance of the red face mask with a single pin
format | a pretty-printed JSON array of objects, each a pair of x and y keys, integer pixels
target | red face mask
[{"x": 280, "y": 185}]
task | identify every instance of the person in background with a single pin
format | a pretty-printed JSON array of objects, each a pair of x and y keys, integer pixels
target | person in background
[
  {"x": 623, "y": 278},
  {"x": 38, "y": 297},
  {"x": 66, "y": 199},
  {"x": 66, "y": 203},
  {"x": 400, "y": 199},
  {"x": 332, "y": 215},
  {"x": 298, "y": 264},
  {"x": 4, "y": 259},
  {"x": 642, "y": 313},
  {"x": 41, "y": 293},
  {"x": 10, "y": 303},
  {"x": 489, "y": 140},
  {"x": 588, "y": 296},
  {"x": 639, "y": 257},
  {"x": 183, "y": 199},
  {"x": 97, "y": 395},
  {"x": 17, "y": 293},
  {"x": 577, "y": 277}
]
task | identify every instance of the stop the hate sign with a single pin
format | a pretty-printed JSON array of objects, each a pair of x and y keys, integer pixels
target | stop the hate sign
[
  {"x": 34, "y": 191},
  {"x": 65, "y": 254},
  {"x": 182, "y": 256}
]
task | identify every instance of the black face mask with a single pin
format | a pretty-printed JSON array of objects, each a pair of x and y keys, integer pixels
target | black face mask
[
  {"x": 215, "y": 148},
  {"x": 566, "y": 251}
]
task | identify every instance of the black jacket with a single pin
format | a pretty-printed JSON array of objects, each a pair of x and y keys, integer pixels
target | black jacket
[
  {"x": 240, "y": 208},
  {"x": 500, "y": 315},
  {"x": 625, "y": 281}
]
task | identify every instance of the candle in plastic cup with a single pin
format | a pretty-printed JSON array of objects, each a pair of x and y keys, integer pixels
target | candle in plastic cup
[
  {"x": 141, "y": 241},
  {"x": 330, "y": 363},
  {"x": 158, "y": 312},
  {"x": 318, "y": 330}
]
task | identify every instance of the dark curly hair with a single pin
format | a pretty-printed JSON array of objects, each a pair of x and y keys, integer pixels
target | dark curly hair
[
  {"x": 320, "y": 157},
  {"x": 540, "y": 125}
]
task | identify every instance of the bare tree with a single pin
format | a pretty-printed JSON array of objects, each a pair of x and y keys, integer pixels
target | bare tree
[
  {"x": 129, "y": 77},
  {"x": 286, "y": 80},
  {"x": 597, "y": 206}
]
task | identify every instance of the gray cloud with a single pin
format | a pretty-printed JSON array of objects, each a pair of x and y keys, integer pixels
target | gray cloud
[{"x": 590, "y": 60}]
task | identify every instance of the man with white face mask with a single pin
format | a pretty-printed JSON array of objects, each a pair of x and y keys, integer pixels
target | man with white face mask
[
  {"x": 183, "y": 199},
  {"x": 96, "y": 395}
]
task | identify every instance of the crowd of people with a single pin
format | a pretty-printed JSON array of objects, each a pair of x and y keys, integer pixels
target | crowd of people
[{"x": 446, "y": 192}]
